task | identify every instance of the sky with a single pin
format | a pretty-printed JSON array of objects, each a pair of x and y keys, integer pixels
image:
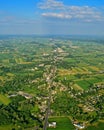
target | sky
[{"x": 64, "y": 17}]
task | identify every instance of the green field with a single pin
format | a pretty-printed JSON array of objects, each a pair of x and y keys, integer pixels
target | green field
[
  {"x": 83, "y": 84},
  {"x": 100, "y": 126},
  {"x": 6, "y": 127},
  {"x": 5, "y": 100},
  {"x": 63, "y": 123}
]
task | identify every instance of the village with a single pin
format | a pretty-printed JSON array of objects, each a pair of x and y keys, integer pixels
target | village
[{"x": 52, "y": 88}]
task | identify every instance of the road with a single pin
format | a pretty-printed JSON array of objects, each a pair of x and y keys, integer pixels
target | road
[{"x": 50, "y": 84}]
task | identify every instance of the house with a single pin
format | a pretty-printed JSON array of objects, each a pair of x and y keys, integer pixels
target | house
[
  {"x": 41, "y": 65},
  {"x": 52, "y": 124},
  {"x": 78, "y": 125},
  {"x": 26, "y": 95}
]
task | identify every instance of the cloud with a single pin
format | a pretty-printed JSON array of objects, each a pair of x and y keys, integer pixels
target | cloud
[
  {"x": 57, "y": 15},
  {"x": 57, "y": 9},
  {"x": 51, "y": 4}
]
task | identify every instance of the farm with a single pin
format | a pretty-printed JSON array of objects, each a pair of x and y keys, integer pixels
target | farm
[{"x": 63, "y": 75}]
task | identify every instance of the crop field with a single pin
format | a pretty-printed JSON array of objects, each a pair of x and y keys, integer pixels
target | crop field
[
  {"x": 62, "y": 123},
  {"x": 83, "y": 84},
  {"x": 6, "y": 127},
  {"x": 99, "y": 126},
  {"x": 2, "y": 78},
  {"x": 4, "y": 99}
]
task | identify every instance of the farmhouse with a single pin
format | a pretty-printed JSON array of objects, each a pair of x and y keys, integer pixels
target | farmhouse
[
  {"x": 52, "y": 124},
  {"x": 79, "y": 126},
  {"x": 26, "y": 95}
]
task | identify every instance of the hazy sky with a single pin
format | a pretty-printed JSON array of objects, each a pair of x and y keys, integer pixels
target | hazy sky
[{"x": 52, "y": 17}]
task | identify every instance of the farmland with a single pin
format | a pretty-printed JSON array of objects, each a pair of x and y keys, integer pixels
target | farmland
[
  {"x": 5, "y": 100},
  {"x": 62, "y": 123},
  {"x": 99, "y": 126},
  {"x": 45, "y": 79}
]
